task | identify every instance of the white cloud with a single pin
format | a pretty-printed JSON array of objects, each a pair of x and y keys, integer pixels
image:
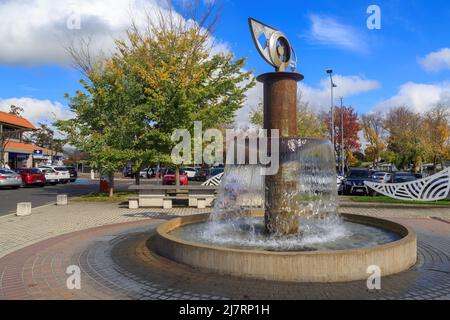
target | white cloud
[
  {"x": 418, "y": 97},
  {"x": 328, "y": 31},
  {"x": 36, "y": 110},
  {"x": 317, "y": 97},
  {"x": 36, "y": 31},
  {"x": 436, "y": 61},
  {"x": 347, "y": 86}
]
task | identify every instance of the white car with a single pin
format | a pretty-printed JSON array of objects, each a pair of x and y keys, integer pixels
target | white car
[
  {"x": 51, "y": 176},
  {"x": 340, "y": 183},
  {"x": 63, "y": 173},
  {"x": 190, "y": 172}
]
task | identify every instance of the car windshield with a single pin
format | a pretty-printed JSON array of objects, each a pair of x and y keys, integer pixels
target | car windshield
[
  {"x": 404, "y": 178},
  {"x": 379, "y": 175},
  {"x": 6, "y": 171},
  {"x": 35, "y": 171},
  {"x": 359, "y": 174},
  {"x": 216, "y": 172},
  {"x": 61, "y": 169}
]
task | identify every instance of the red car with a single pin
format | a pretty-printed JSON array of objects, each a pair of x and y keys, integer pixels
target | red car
[
  {"x": 32, "y": 176},
  {"x": 169, "y": 177}
]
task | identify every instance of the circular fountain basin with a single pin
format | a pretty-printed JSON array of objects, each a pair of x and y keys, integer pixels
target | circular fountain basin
[{"x": 341, "y": 258}]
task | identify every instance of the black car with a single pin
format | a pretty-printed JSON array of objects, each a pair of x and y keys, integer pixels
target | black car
[
  {"x": 404, "y": 177},
  {"x": 354, "y": 182},
  {"x": 215, "y": 172},
  {"x": 201, "y": 175},
  {"x": 73, "y": 174}
]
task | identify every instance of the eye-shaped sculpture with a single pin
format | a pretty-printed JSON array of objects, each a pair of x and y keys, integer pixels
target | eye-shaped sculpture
[{"x": 274, "y": 47}]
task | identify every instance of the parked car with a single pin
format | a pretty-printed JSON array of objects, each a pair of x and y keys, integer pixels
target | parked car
[
  {"x": 340, "y": 184},
  {"x": 32, "y": 176},
  {"x": 128, "y": 172},
  {"x": 403, "y": 177},
  {"x": 381, "y": 177},
  {"x": 215, "y": 172},
  {"x": 144, "y": 173},
  {"x": 169, "y": 177},
  {"x": 201, "y": 175},
  {"x": 354, "y": 182},
  {"x": 151, "y": 173},
  {"x": 73, "y": 173},
  {"x": 9, "y": 178},
  {"x": 63, "y": 173},
  {"x": 51, "y": 176},
  {"x": 191, "y": 172}
]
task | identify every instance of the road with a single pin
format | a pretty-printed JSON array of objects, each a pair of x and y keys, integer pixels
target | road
[{"x": 43, "y": 196}]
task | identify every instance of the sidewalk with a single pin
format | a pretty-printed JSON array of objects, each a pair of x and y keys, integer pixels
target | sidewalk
[{"x": 51, "y": 221}]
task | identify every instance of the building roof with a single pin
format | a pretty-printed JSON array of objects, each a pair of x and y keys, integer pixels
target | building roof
[
  {"x": 16, "y": 146},
  {"x": 15, "y": 121}
]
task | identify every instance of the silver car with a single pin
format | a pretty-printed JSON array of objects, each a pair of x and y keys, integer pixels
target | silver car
[{"x": 10, "y": 179}]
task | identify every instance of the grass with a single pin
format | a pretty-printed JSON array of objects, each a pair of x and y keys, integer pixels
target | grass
[
  {"x": 383, "y": 199},
  {"x": 103, "y": 197}
]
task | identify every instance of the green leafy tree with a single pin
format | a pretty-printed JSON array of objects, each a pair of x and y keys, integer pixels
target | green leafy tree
[
  {"x": 436, "y": 123},
  {"x": 162, "y": 79},
  {"x": 374, "y": 132},
  {"x": 406, "y": 137}
]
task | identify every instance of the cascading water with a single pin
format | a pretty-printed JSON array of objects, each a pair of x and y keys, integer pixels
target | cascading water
[{"x": 307, "y": 167}]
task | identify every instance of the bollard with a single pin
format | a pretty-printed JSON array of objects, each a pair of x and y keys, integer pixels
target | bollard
[
  {"x": 61, "y": 200},
  {"x": 133, "y": 203},
  {"x": 23, "y": 209}
]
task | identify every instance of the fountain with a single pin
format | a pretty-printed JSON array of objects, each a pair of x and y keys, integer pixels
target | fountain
[{"x": 286, "y": 227}]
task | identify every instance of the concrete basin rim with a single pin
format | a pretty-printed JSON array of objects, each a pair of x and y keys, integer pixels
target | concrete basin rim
[{"x": 409, "y": 237}]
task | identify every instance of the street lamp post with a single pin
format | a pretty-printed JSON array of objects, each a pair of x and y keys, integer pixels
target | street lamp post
[
  {"x": 332, "y": 85},
  {"x": 342, "y": 137}
]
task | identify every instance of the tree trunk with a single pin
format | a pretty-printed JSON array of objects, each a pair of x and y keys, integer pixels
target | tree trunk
[
  {"x": 137, "y": 178},
  {"x": 177, "y": 176},
  {"x": 111, "y": 185}
]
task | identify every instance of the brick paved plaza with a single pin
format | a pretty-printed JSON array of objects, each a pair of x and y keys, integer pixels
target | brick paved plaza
[{"x": 111, "y": 245}]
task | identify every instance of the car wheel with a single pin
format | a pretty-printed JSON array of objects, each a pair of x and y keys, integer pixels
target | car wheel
[{"x": 23, "y": 185}]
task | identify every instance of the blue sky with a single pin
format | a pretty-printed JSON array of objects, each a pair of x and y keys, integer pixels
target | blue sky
[{"x": 406, "y": 62}]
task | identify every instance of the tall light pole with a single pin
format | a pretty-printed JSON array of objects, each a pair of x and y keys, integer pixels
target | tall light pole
[
  {"x": 342, "y": 138},
  {"x": 332, "y": 85}
]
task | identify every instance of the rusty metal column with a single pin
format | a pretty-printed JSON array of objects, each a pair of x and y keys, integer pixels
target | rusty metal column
[{"x": 280, "y": 112}]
